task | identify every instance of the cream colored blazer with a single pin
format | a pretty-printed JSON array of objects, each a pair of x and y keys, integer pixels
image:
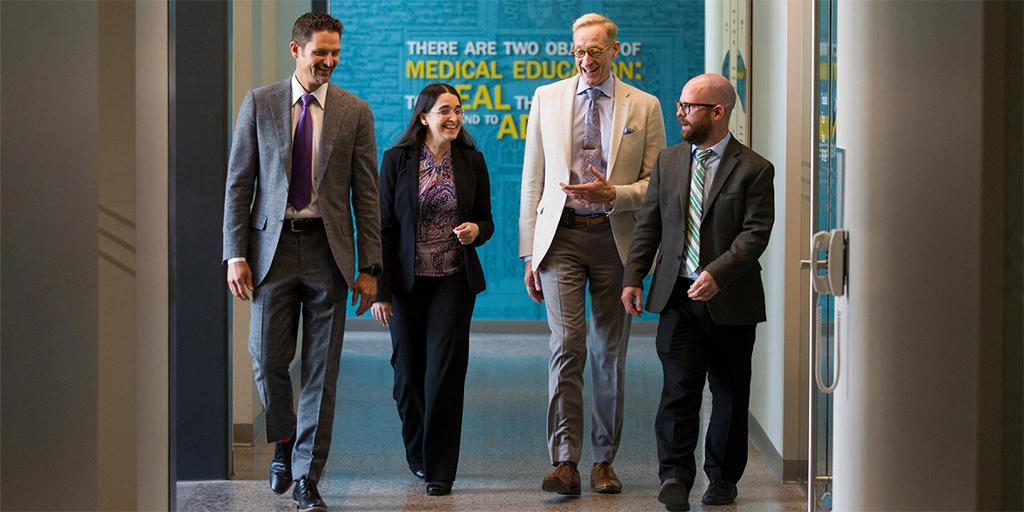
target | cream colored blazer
[{"x": 638, "y": 135}]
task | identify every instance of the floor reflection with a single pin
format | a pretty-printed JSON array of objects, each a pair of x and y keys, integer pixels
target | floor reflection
[{"x": 503, "y": 449}]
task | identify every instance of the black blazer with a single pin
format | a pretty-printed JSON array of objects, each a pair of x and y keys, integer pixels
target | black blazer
[
  {"x": 399, "y": 193},
  {"x": 738, "y": 217}
]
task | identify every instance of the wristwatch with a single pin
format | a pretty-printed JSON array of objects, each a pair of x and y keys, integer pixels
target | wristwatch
[{"x": 373, "y": 270}]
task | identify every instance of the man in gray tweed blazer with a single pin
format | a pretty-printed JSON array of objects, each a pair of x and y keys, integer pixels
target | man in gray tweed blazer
[{"x": 302, "y": 147}]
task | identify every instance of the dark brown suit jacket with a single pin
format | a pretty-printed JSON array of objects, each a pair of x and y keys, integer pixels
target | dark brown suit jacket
[
  {"x": 739, "y": 212},
  {"x": 399, "y": 196}
]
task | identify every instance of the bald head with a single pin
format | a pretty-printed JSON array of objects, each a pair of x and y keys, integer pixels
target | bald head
[
  {"x": 713, "y": 88},
  {"x": 710, "y": 99}
]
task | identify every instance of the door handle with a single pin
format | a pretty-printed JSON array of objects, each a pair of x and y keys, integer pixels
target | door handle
[
  {"x": 828, "y": 277},
  {"x": 833, "y": 244}
]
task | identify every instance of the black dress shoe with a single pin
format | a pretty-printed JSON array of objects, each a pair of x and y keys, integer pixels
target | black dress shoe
[
  {"x": 418, "y": 471},
  {"x": 307, "y": 497},
  {"x": 719, "y": 492},
  {"x": 674, "y": 495},
  {"x": 281, "y": 467},
  {"x": 439, "y": 488}
]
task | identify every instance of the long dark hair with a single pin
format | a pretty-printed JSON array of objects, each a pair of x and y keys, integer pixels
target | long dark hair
[{"x": 415, "y": 133}]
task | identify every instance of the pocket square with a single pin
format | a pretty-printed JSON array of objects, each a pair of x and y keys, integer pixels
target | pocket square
[{"x": 628, "y": 131}]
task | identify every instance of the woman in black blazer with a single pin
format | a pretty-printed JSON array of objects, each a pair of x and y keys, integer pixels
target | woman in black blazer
[{"x": 435, "y": 204}]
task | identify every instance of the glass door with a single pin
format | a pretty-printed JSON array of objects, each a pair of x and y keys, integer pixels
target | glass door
[{"x": 827, "y": 257}]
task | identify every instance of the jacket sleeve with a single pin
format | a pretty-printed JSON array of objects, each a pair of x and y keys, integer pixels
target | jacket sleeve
[
  {"x": 533, "y": 177},
  {"x": 647, "y": 235},
  {"x": 365, "y": 197},
  {"x": 389, "y": 229},
  {"x": 482, "y": 202},
  {"x": 241, "y": 181}
]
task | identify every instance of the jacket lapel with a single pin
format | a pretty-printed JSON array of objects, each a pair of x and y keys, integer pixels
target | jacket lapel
[
  {"x": 334, "y": 111},
  {"x": 725, "y": 168},
  {"x": 281, "y": 110},
  {"x": 684, "y": 188},
  {"x": 568, "y": 99},
  {"x": 465, "y": 182},
  {"x": 619, "y": 115}
]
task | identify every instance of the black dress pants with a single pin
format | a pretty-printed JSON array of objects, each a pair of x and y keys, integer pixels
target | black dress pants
[
  {"x": 430, "y": 341},
  {"x": 691, "y": 348}
]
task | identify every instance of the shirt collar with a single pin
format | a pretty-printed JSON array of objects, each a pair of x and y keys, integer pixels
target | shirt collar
[
  {"x": 607, "y": 87},
  {"x": 718, "y": 148},
  {"x": 320, "y": 93}
]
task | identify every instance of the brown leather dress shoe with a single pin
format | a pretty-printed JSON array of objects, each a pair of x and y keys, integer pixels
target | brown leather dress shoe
[
  {"x": 563, "y": 480},
  {"x": 604, "y": 480}
]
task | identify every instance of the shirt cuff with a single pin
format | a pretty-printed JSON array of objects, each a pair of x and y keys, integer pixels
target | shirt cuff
[
  {"x": 234, "y": 260},
  {"x": 527, "y": 258}
]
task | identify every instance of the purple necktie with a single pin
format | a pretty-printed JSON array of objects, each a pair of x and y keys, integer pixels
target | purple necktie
[
  {"x": 301, "y": 187},
  {"x": 592, "y": 152}
]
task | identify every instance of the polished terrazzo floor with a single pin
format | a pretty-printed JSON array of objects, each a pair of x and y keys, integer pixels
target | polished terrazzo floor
[{"x": 503, "y": 449}]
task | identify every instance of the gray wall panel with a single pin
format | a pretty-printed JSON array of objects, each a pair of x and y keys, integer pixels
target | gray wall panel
[{"x": 49, "y": 255}]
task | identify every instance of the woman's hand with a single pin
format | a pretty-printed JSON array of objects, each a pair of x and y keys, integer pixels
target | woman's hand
[
  {"x": 381, "y": 312},
  {"x": 467, "y": 232}
]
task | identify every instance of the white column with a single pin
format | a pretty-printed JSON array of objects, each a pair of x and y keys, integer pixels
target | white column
[
  {"x": 910, "y": 118},
  {"x": 151, "y": 142}
]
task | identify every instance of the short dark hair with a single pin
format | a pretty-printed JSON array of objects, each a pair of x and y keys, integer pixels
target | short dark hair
[
  {"x": 311, "y": 23},
  {"x": 415, "y": 133}
]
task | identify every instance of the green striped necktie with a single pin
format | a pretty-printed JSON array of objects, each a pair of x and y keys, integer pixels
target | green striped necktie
[{"x": 696, "y": 213}]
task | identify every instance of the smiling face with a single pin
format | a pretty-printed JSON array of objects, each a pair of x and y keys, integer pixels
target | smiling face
[
  {"x": 315, "y": 60},
  {"x": 594, "y": 70},
  {"x": 443, "y": 128}
]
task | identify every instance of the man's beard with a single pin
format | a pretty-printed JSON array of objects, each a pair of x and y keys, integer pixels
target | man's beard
[{"x": 698, "y": 133}]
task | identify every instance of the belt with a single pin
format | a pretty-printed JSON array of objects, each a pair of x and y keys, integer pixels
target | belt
[
  {"x": 571, "y": 219},
  {"x": 298, "y": 225}
]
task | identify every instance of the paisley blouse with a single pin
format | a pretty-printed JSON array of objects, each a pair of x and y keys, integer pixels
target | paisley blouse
[{"x": 438, "y": 251}]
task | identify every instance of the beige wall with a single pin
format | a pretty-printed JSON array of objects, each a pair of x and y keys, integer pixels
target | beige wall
[
  {"x": 922, "y": 383},
  {"x": 151, "y": 141},
  {"x": 50, "y": 341},
  {"x": 117, "y": 262},
  {"x": 85, "y": 394},
  {"x": 779, "y": 132}
]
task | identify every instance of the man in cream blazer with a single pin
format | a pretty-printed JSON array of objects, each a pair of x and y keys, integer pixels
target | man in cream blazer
[{"x": 591, "y": 143}]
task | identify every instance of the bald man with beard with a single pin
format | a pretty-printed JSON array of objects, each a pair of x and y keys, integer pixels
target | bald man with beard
[{"x": 710, "y": 209}]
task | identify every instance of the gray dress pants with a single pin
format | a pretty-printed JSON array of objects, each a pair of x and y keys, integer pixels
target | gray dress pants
[
  {"x": 303, "y": 279},
  {"x": 583, "y": 258}
]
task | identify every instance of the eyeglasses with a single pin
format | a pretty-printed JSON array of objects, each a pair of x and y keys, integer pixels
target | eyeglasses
[
  {"x": 593, "y": 52},
  {"x": 688, "y": 107},
  {"x": 444, "y": 111}
]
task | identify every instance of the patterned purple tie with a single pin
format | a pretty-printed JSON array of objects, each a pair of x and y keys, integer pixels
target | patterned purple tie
[
  {"x": 301, "y": 186},
  {"x": 593, "y": 154}
]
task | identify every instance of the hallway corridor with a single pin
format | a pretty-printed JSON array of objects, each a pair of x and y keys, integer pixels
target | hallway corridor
[{"x": 503, "y": 449}]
